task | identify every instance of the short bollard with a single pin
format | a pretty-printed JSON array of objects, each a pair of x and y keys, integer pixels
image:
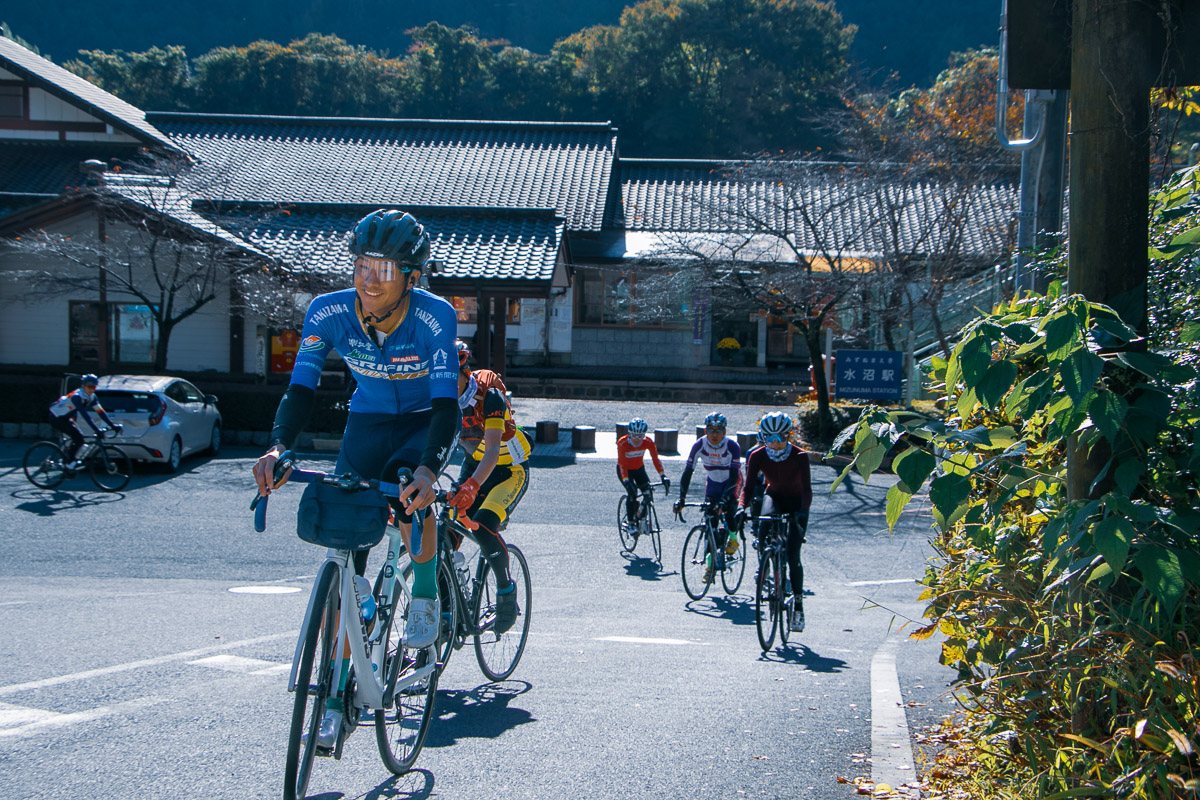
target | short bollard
[
  {"x": 746, "y": 440},
  {"x": 700, "y": 431},
  {"x": 547, "y": 431},
  {"x": 622, "y": 429},
  {"x": 666, "y": 440},
  {"x": 583, "y": 437}
]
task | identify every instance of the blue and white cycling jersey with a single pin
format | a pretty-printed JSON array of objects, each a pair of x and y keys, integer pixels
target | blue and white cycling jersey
[{"x": 417, "y": 362}]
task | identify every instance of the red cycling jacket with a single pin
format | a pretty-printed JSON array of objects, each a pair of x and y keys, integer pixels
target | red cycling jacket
[{"x": 630, "y": 457}]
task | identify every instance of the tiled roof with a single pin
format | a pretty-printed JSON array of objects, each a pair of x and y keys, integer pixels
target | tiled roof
[
  {"x": 77, "y": 91},
  {"x": 52, "y": 167},
  {"x": 492, "y": 244},
  {"x": 561, "y": 166},
  {"x": 686, "y": 197}
]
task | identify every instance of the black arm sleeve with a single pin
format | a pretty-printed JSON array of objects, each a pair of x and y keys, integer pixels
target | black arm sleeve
[
  {"x": 444, "y": 426},
  {"x": 684, "y": 481},
  {"x": 295, "y": 409}
]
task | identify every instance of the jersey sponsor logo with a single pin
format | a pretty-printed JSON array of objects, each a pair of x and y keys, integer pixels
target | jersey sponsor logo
[
  {"x": 439, "y": 358},
  {"x": 373, "y": 369},
  {"x": 405, "y": 359},
  {"x": 429, "y": 320},
  {"x": 635, "y": 453},
  {"x": 329, "y": 311},
  {"x": 310, "y": 343}
]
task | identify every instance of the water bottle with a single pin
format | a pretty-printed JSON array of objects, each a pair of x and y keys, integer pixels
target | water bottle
[
  {"x": 363, "y": 587},
  {"x": 461, "y": 569}
]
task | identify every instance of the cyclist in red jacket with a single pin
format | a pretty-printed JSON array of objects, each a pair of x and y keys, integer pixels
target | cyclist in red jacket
[{"x": 631, "y": 468}]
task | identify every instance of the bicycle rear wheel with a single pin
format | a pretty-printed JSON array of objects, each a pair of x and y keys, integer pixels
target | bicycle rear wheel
[
  {"x": 314, "y": 680},
  {"x": 112, "y": 470},
  {"x": 781, "y": 602},
  {"x": 766, "y": 616},
  {"x": 695, "y": 566},
  {"x": 44, "y": 465},
  {"x": 627, "y": 534},
  {"x": 401, "y": 727},
  {"x": 655, "y": 536},
  {"x": 735, "y": 570},
  {"x": 499, "y": 653}
]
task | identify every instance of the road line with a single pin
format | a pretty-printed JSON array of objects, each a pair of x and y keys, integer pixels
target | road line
[
  {"x": 640, "y": 640},
  {"x": 881, "y": 583},
  {"x": 39, "y": 720},
  {"x": 891, "y": 747},
  {"x": 149, "y": 662},
  {"x": 231, "y": 663}
]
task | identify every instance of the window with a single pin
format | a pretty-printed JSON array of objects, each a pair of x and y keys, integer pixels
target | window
[
  {"x": 131, "y": 333},
  {"x": 609, "y": 297},
  {"x": 12, "y": 102},
  {"x": 465, "y": 308}
]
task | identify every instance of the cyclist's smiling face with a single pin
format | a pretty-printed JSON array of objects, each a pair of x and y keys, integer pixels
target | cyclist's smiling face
[
  {"x": 715, "y": 435},
  {"x": 380, "y": 284},
  {"x": 636, "y": 438}
]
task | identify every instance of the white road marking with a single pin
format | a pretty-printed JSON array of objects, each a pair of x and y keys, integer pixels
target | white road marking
[
  {"x": 264, "y": 589},
  {"x": 891, "y": 747},
  {"x": 882, "y": 583},
  {"x": 16, "y": 603},
  {"x": 232, "y": 663},
  {"x": 18, "y": 721},
  {"x": 640, "y": 640},
  {"x": 132, "y": 665}
]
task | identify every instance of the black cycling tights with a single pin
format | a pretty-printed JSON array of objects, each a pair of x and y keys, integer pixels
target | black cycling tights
[{"x": 492, "y": 546}]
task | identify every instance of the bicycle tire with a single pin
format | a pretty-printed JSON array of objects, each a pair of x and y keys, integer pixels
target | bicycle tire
[
  {"x": 309, "y": 705},
  {"x": 499, "y": 653},
  {"x": 656, "y": 536},
  {"x": 785, "y": 619},
  {"x": 764, "y": 608},
  {"x": 628, "y": 537},
  {"x": 112, "y": 470},
  {"x": 451, "y": 635},
  {"x": 697, "y": 548},
  {"x": 44, "y": 465},
  {"x": 400, "y": 728},
  {"x": 735, "y": 570}
]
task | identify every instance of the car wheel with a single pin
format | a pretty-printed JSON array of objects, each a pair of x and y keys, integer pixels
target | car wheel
[
  {"x": 175, "y": 456},
  {"x": 214, "y": 440}
]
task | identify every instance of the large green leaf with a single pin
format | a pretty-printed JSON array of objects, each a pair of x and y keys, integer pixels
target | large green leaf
[
  {"x": 897, "y": 499},
  {"x": 1113, "y": 535},
  {"x": 949, "y": 495},
  {"x": 1128, "y": 474},
  {"x": 913, "y": 467},
  {"x": 1062, "y": 335},
  {"x": 996, "y": 382},
  {"x": 1161, "y": 573},
  {"x": 1107, "y": 410},
  {"x": 975, "y": 358},
  {"x": 1080, "y": 372}
]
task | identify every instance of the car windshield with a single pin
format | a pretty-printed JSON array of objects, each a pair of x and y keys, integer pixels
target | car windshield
[{"x": 118, "y": 402}]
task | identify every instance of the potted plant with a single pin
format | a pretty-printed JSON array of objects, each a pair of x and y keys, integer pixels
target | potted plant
[{"x": 727, "y": 348}]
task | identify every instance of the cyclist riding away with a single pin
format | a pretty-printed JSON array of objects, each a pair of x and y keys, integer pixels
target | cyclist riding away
[
  {"x": 631, "y": 469},
  {"x": 721, "y": 458},
  {"x": 494, "y": 473},
  {"x": 64, "y": 410},
  {"x": 783, "y": 469},
  {"x": 399, "y": 342}
]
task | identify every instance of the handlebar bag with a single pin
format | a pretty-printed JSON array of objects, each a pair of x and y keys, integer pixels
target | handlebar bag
[{"x": 333, "y": 517}]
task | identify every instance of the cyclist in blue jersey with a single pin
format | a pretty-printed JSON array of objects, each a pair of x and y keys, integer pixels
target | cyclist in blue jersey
[
  {"x": 65, "y": 409},
  {"x": 721, "y": 458},
  {"x": 399, "y": 341}
]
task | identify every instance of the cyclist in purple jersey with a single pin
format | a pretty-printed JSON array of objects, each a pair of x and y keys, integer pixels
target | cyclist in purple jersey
[
  {"x": 721, "y": 458},
  {"x": 399, "y": 342},
  {"x": 64, "y": 410}
]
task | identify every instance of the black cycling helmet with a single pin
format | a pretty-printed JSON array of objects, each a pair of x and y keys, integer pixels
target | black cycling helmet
[
  {"x": 391, "y": 234},
  {"x": 89, "y": 380}
]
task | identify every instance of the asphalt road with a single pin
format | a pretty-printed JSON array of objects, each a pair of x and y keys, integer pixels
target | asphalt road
[{"x": 131, "y": 670}]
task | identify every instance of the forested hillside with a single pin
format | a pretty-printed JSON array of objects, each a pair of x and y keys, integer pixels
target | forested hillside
[{"x": 913, "y": 38}]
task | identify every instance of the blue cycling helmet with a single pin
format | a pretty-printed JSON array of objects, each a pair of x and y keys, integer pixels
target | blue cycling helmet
[
  {"x": 392, "y": 235},
  {"x": 89, "y": 380},
  {"x": 637, "y": 425},
  {"x": 777, "y": 423},
  {"x": 716, "y": 420}
]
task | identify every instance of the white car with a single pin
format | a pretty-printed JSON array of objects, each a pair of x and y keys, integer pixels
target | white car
[{"x": 163, "y": 419}]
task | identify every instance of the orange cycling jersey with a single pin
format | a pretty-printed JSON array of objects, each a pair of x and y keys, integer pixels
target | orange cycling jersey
[{"x": 630, "y": 457}]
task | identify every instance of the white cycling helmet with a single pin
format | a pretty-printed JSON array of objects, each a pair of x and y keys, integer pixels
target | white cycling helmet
[
  {"x": 637, "y": 425},
  {"x": 777, "y": 423}
]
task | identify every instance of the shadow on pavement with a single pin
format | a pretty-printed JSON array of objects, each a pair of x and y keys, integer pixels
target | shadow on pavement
[
  {"x": 48, "y": 502},
  {"x": 642, "y": 567},
  {"x": 480, "y": 713},
  {"x": 414, "y": 785},
  {"x": 738, "y": 610},
  {"x": 796, "y": 653}
]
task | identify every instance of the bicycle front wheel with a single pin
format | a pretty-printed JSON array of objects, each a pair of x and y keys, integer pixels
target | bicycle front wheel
[
  {"x": 499, "y": 653},
  {"x": 765, "y": 610},
  {"x": 450, "y": 637},
  {"x": 44, "y": 465},
  {"x": 655, "y": 536},
  {"x": 112, "y": 470},
  {"x": 627, "y": 534},
  {"x": 696, "y": 566},
  {"x": 735, "y": 569},
  {"x": 781, "y": 601},
  {"x": 314, "y": 682}
]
